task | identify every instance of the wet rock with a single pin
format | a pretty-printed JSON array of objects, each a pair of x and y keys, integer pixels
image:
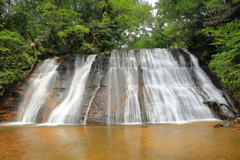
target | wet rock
[
  {"x": 10, "y": 103},
  {"x": 222, "y": 111}
]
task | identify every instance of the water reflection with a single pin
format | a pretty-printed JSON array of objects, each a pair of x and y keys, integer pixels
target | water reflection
[{"x": 198, "y": 140}]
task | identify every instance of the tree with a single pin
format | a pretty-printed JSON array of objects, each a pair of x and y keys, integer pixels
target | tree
[
  {"x": 183, "y": 20},
  {"x": 154, "y": 39},
  {"x": 226, "y": 63},
  {"x": 16, "y": 57},
  {"x": 33, "y": 30}
]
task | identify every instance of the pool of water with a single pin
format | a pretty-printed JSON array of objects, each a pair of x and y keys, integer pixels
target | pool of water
[{"x": 198, "y": 140}]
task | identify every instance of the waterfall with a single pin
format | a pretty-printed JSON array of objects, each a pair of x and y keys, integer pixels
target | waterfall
[
  {"x": 171, "y": 93},
  {"x": 122, "y": 75},
  {"x": 38, "y": 90},
  {"x": 103, "y": 89},
  {"x": 68, "y": 110},
  {"x": 205, "y": 83}
]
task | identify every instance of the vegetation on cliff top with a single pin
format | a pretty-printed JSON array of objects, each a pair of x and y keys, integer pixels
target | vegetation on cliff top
[{"x": 34, "y": 29}]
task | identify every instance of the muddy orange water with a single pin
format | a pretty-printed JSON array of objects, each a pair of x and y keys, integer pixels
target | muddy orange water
[{"x": 199, "y": 140}]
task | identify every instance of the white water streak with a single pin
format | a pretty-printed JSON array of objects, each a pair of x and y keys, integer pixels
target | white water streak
[
  {"x": 38, "y": 91},
  {"x": 207, "y": 86},
  {"x": 170, "y": 91},
  {"x": 89, "y": 105},
  {"x": 68, "y": 110},
  {"x": 174, "y": 88},
  {"x": 123, "y": 105}
]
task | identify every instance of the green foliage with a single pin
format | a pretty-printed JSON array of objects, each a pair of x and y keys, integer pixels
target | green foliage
[
  {"x": 216, "y": 2},
  {"x": 131, "y": 19},
  {"x": 236, "y": 1},
  {"x": 226, "y": 64},
  {"x": 183, "y": 21},
  {"x": 14, "y": 61},
  {"x": 154, "y": 40},
  {"x": 62, "y": 27}
]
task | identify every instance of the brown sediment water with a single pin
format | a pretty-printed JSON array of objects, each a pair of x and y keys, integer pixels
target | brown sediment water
[{"x": 199, "y": 140}]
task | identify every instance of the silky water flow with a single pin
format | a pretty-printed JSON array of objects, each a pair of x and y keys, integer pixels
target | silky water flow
[{"x": 174, "y": 88}]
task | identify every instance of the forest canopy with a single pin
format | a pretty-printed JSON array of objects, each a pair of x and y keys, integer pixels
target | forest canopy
[{"x": 32, "y": 30}]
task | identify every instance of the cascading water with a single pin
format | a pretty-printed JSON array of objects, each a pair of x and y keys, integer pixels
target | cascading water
[
  {"x": 171, "y": 93},
  {"x": 122, "y": 75},
  {"x": 105, "y": 89},
  {"x": 206, "y": 84},
  {"x": 38, "y": 91},
  {"x": 68, "y": 110}
]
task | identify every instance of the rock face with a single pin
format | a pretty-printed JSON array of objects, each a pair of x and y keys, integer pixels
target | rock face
[
  {"x": 9, "y": 104},
  {"x": 111, "y": 92},
  {"x": 94, "y": 105},
  {"x": 221, "y": 110}
]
